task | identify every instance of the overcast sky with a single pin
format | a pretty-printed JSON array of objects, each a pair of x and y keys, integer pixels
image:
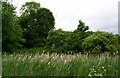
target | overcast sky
[{"x": 97, "y": 14}]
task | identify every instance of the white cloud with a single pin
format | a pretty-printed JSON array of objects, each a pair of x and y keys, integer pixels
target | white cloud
[{"x": 98, "y": 14}]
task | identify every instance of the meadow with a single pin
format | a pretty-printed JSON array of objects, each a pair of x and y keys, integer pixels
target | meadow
[
  {"x": 33, "y": 46},
  {"x": 53, "y": 64}
]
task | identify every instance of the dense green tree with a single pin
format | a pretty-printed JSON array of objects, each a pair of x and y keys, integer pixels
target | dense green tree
[
  {"x": 29, "y": 8},
  {"x": 81, "y": 35},
  {"x": 11, "y": 31},
  {"x": 62, "y": 41},
  {"x": 36, "y": 22},
  {"x": 100, "y": 42},
  {"x": 56, "y": 40},
  {"x": 73, "y": 42},
  {"x": 82, "y": 27}
]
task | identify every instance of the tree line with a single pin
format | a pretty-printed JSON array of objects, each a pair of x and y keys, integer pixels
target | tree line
[{"x": 35, "y": 27}]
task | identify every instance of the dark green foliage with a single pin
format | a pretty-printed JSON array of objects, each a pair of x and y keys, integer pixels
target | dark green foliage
[
  {"x": 100, "y": 42},
  {"x": 29, "y": 8},
  {"x": 11, "y": 31},
  {"x": 73, "y": 42},
  {"x": 81, "y": 27},
  {"x": 56, "y": 40},
  {"x": 36, "y": 23},
  {"x": 63, "y": 41},
  {"x": 118, "y": 36},
  {"x": 36, "y": 26},
  {"x": 88, "y": 33},
  {"x": 80, "y": 35}
]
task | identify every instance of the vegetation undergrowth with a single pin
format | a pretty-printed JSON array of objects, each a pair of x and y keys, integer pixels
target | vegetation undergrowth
[{"x": 53, "y": 64}]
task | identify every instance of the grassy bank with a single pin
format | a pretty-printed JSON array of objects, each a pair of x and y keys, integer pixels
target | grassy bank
[{"x": 59, "y": 65}]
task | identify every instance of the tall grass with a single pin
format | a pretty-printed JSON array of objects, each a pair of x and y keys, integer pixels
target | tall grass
[{"x": 59, "y": 65}]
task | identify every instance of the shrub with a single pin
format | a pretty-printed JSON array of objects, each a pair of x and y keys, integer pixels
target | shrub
[
  {"x": 63, "y": 41},
  {"x": 56, "y": 40},
  {"x": 100, "y": 42},
  {"x": 73, "y": 42}
]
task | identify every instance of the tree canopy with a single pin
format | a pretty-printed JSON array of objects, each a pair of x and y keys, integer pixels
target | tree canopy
[
  {"x": 35, "y": 22},
  {"x": 11, "y": 31},
  {"x": 35, "y": 28},
  {"x": 68, "y": 41}
]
